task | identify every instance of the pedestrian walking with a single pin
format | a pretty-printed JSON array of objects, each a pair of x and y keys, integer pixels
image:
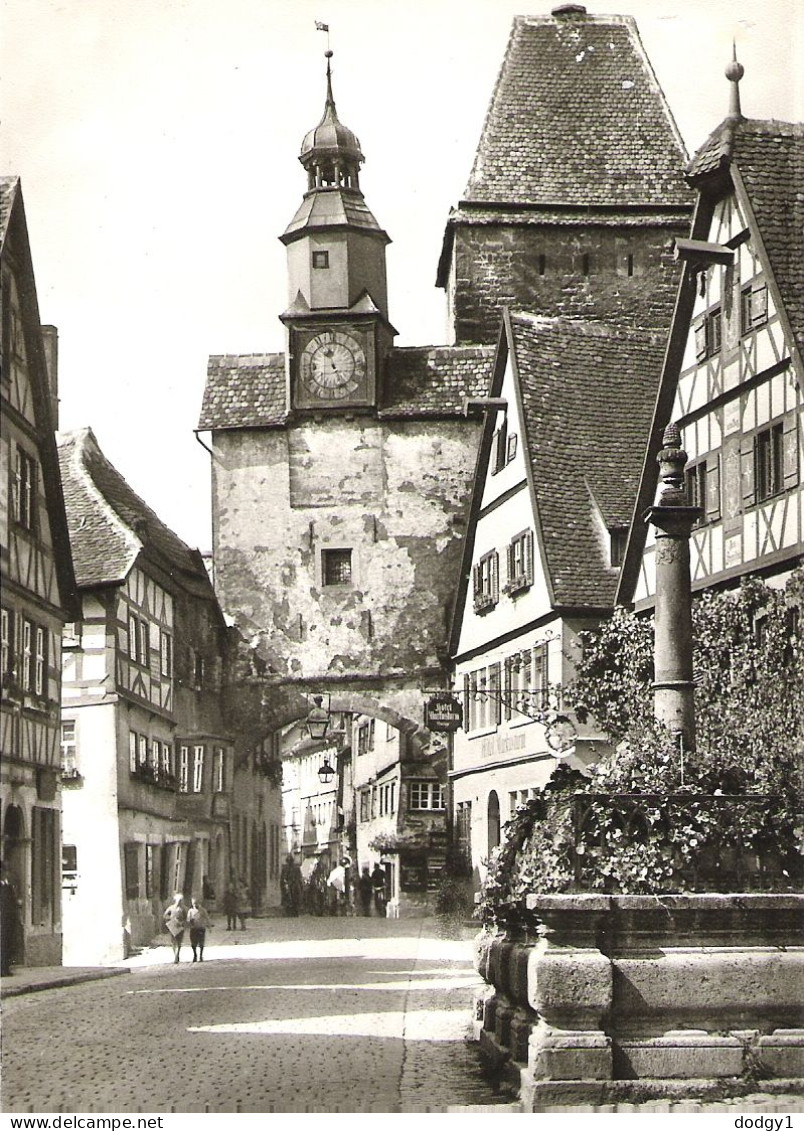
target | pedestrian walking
[
  {"x": 378, "y": 885},
  {"x": 291, "y": 886},
  {"x": 175, "y": 918},
  {"x": 230, "y": 904},
  {"x": 10, "y": 921},
  {"x": 199, "y": 923},
  {"x": 365, "y": 890},
  {"x": 336, "y": 882},
  {"x": 243, "y": 902}
]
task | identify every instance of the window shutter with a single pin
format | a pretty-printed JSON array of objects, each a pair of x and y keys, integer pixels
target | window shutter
[
  {"x": 529, "y": 557},
  {"x": 466, "y": 701},
  {"x": 509, "y": 563},
  {"x": 759, "y": 305},
  {"x": 495, "y": 576},
  {"x": 507, "y": 687},
  {"x": 713, "y": 487},
  {"x": 747, "y": 469},
  {"x": 700, "y": 340},
  {"x": 476, "y": 580},
  {"x": 789, "y": 451}
]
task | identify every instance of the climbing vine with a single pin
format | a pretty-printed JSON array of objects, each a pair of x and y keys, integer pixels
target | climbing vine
[{"x": 650, "y": 817}]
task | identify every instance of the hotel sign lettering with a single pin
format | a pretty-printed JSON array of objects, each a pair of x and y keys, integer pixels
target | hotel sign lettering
[{"x": 443, "y": 714}]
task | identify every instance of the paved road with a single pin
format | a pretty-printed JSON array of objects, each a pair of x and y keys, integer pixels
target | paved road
[{"x": 288, "y": 1016}]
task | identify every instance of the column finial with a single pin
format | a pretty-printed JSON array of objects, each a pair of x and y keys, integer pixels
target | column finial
[{"x": 734, "y": 72}]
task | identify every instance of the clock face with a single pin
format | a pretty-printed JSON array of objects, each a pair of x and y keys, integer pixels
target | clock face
[{"x": 333, "y": 365}]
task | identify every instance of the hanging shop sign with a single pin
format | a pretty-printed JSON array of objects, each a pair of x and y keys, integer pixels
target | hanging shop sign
[{"x": 443, "y": 714}]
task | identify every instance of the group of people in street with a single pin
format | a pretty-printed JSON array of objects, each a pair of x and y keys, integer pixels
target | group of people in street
[
  {"x": 178, "y": 917},
  {"x": 332, "y": 892}
]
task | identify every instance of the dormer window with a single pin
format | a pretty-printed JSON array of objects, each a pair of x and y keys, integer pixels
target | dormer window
[
  {"x": 618, "y": 538},
  {"x": 320, "y": 260}
]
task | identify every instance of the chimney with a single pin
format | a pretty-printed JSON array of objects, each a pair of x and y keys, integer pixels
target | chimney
[{"x": 50, "y": 340}]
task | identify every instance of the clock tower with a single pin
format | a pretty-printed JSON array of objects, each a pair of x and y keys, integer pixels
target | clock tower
[{"x": 337, "y": 321}]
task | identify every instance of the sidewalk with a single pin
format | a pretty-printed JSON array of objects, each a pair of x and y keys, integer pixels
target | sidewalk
[{"x": 29, "y": 979}]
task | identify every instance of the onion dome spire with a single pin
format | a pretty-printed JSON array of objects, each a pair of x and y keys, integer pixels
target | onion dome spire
[
  {"x": 734, "y": 72},
  {"x": 331, "y": 152}
]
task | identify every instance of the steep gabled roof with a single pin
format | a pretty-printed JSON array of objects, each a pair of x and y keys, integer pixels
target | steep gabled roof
[
  {"x": 587, "y": 393},
  {"x": 420, "y": 381},
  {"x": 763, "y": 161},
  {"x": 578, "y": 118},
  {"x": 14, "y": 240},
  {"x": 110, "y": 525}
]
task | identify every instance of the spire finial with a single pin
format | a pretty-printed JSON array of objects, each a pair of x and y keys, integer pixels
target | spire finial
[
  {"x": 734, "y": 72},
  {"x": 330, "y": 99}
]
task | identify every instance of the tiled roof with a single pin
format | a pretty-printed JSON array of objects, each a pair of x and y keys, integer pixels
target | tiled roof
[
  {"x": 245, "y": 391},
  {"x": 588, "y": 392},
  {"x": 578, "y": 118},
  {"x": 8, "y": 189},
  {"x": 433, "y": 380},
  {"x": 421, "y": 381},
  {"x": 110, "y": 525},
  {"x": 769, "y": 157}
]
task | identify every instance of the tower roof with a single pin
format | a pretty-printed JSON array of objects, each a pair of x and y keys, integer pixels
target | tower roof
[
  {"x": 330, "y": 138},
  {"x": 577, "y": 118}
]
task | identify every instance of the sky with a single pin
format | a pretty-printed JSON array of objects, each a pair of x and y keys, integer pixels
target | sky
[{"x": 157, "y": 144}]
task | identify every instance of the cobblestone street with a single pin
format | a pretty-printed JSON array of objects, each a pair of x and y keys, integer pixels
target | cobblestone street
[{"x": 269, "y": 1022}]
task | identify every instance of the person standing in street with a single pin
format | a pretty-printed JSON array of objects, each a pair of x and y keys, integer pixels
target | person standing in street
[
  {"x": 365, "y": 890},
  {"x": 175, "y": 917},
  {"x": 378, "y": 885},
  {"x": 291, "y": 886},
  {"x": 199, "y": 923}
]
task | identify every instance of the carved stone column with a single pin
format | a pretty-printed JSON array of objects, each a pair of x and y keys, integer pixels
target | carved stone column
[{"x": 674, "y": 519}]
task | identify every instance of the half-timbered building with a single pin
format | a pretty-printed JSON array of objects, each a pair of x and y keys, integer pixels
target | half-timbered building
[
  {"x": 732, "y": 378},
  {"x": 37, "y": 593},
  {"x": 556, "y": 478},
  {"x": 148, "y": 760}
]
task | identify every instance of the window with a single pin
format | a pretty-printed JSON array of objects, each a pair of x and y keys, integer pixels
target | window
[
  {"x": 143, "y": 646},
  {"x": 486, "y": 574},
  {"x": 184, "y": 769},
  {"x": 425, "y": 795},
  {"x": 7, "y": 644},
  {"x": 198, "y": 769},
  {"x": 167, "y": 768},
  {"x": 219, "y": 771},
  {"x": 40, "y": 663},
  {"x": 320, "y": 260},
  {"x": 753, "y": 307},
  {"x": 198, "y": 671},
  {"x": 132, "y": 751},
  {"x": 23, "y": 490},
  {"x": 708, "y": 333},
  {"x": 69, "y": 765},
  {"x": 131, "y": 858},
  {"x": 768, "y": 462},
  {"x": 365, "y": 737},
  {"x": 618, "y": 538},
  {"x": 463, "y": 831},
  {"x": 540, "y": 688},
  {"x": 387, "y": 799},
  {"x": 151, "y": 870},
  {"x": 703, "y": 487},
  {"x": 365, "y": 805},
  {"x": 165, "y": 654},
  {"x": 133, "y": 638},
  {"x": 336, "y": 567},
  {"x": 520, "y": 562},
  {"x": 142, "y": 751},
  {"x": 156, "y": 758},
  {"x": 27, "y": 655},
  {"x": 69, "y": 864},
  {"x": 500, "y": 450}
]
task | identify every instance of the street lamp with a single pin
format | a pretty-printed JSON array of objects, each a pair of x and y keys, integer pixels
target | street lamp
[
  {"x": 317, "y": 721},
  {"x": 325, "y": 772}
]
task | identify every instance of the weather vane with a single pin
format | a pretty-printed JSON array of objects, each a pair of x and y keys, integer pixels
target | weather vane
[{"x": 323, "y": 27}]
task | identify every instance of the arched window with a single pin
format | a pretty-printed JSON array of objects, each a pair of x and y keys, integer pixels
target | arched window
[{"x": 494, "y": 820}]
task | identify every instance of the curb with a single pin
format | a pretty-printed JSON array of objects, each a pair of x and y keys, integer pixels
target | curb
[{"x": 58, "y": 981}]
